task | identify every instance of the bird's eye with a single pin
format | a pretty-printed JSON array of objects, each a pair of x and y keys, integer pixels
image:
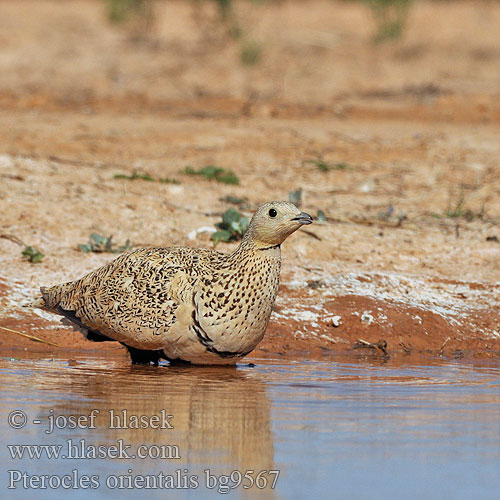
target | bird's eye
[{"x": 273, "y": 213}]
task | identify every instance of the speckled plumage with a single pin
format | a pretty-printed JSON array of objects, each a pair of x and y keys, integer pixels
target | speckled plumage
[{"x": 188, "y": 304}]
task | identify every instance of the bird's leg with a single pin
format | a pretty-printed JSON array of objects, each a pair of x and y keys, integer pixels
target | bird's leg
[{"x": 143, "y": 357}]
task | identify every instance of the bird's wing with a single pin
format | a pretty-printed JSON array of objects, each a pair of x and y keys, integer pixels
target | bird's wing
[{"x": 131, "y": 298}]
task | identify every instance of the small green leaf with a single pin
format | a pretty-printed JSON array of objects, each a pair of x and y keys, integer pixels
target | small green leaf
[
  {"x": 221, "y": 235},
  {"x": 32, "y": 254},
  {"x": 108, "y": 244},
  {"x": 321, "y": 217},
  {"x": 98, "y": 239},
  {"x": 231, "y": 215},
  {"x": 244, "y": 223},
  {"x": 295, "y": 197},
  {"x": 86, "y": 248},
  {"x": 235, "y": 226}
]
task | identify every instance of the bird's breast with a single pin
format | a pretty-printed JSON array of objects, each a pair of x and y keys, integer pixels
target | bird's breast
[{"x": 228, "y": 314}]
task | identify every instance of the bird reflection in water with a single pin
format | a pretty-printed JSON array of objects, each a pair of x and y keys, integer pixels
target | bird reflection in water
[{"x": 220, "y": 417}]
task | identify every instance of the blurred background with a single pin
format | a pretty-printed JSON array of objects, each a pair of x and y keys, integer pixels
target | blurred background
[{"x": 308, "y": 51}]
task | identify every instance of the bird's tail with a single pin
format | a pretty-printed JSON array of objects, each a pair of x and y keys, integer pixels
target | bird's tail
[{"x": 51, "y": 296}]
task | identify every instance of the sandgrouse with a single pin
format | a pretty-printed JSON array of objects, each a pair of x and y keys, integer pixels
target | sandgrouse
[{"x": 191, "y": 305}]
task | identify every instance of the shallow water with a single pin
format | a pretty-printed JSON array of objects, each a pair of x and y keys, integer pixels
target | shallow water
[{"x": 333, "y": 430}]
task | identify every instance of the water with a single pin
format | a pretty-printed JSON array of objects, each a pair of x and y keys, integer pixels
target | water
[{"x": 333, "y": 430}]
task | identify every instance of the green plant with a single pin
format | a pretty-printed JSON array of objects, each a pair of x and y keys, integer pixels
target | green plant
[
  {"x": 228, "y": 18},
  {"x": 390, "y": 16},
  {"x": 295, "y": 197},
  {"x": 234, "y": 200},
  {"x": 321, "y": 217},
  {"x": 232, "y": 228},
  {"x": 32, "y": 254},
  {"x": 122, "y": 10},
  {"x": 250, "y": 53},
  {"x": 212, "y": 172},
  {"x": 168, "y": 180},
  {"x": 225, "y": 7},
  {"x": 99, "y": 243},
  {"x": 135, "y": 175},
  {"x": 457, "y": 211},
  {"x": 326, "y": 167}
]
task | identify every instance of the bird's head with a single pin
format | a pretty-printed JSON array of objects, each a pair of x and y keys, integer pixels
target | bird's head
[{"x": 273, "y": 222}]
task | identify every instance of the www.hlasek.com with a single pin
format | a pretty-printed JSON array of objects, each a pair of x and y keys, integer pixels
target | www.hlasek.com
[
  {"x": 179, "y": 479},
  {"x": 80, "y": 449}
]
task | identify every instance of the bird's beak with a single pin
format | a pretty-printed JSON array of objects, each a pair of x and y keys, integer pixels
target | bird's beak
[{"x": 303, "y": 218}]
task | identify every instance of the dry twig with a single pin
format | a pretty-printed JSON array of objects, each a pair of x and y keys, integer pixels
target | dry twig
[{"x": 31, "y": 337}]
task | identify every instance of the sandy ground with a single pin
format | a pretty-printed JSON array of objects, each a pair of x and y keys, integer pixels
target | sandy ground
[{"x": 409, "y": 255}]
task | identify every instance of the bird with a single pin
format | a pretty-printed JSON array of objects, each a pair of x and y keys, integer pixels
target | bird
[{"x": 183, "y": 304}]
